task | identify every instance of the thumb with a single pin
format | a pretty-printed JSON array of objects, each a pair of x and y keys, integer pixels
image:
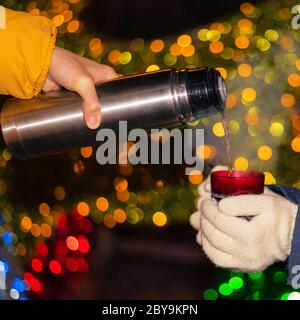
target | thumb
[
  {"x": 91, "y": 104},
  {"x": 247, "y": 205}
]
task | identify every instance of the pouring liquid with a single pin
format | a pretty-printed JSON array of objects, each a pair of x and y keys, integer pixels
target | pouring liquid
[{"x": 225, "y": 124}]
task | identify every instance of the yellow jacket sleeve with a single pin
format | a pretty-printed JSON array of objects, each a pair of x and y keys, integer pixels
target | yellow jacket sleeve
[{"x": 26, "y": 47}]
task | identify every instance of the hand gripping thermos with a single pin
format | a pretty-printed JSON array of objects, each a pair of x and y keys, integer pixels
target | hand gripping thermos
[{"x": 53, "y": 122}]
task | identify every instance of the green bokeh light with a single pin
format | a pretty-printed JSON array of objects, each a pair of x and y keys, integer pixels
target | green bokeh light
[
  {"x": 236, "y": 283},
  {"x": 210, "y": 294},
  {"x": 279, "y": 277},
  {"x": 225, "y": 289},
  {"x": 285, "y": 296},
  {"x": 255, "y": 275}
]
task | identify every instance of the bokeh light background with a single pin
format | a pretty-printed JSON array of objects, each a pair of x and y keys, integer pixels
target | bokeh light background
[{"x": 48, "y": 237}]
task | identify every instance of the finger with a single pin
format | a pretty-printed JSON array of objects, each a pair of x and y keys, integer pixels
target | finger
[
  {"x": 195, "y": 220},
  {"x": 246, "y": 205},
  {"x": 50, "y": 85},
  {"x": 199, "y": 238},
  {"x": 218, "y": 257},
  {"x": 67, "y": 72},
  {"x": 219, "y": 168},
  {"x": 85, "y": 87},
  {"x": 232, "y": 226},
  {"x": 205, "y": 188},
  {"x": 218, "y": 239},
  {"x": 99, "y": 72}
]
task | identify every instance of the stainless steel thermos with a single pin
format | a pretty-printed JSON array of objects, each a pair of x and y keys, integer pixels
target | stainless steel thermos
[{"x": 53, "y": 122}]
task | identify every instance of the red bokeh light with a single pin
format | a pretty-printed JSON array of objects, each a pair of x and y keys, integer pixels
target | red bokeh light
[
  {"x": 72, "y": 264},
  {"x": 72, "y": 243},
  {"x": 35, "y": 284},
  {"x": 42, "y": 249},
  {"x": 55, "y": 267},
  {"x": 36, "y": 265},
  {"x": 84, "y": 245}
]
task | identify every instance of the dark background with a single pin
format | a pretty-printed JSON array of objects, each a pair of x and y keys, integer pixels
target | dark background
[{"x": 128, "y": 19}]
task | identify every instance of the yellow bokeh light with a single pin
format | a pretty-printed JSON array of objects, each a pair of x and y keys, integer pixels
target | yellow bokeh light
[
  {"x": 68, "y": 15},
  {"x": 231, "y": 101},
  {"x": 238, "y": 55},
  {"x": 218, "y": 129},
  {"x": 123, "y": 196},
  {"x": 95, "y": 44},
  {"x": 195, "y": 177},
  {"x": 223, "y": 72},
  {"x": 109, "y": 221},
  {"x": 241, "y": 163},
  {"x": 271, "y": 35},
  {"x": 184, "y": 40},
  {"x": 44, "y": 209},
  {"x": 234, "y": 126},
  {"x": 114, "y": 56},
  {"x": 175, "y": 49},
  {"x": 296, "y": 144},
  {"x": 297, "y": 64},
  {"x": 125, "y": 57},
  {"x": 263, "y": 44},
  {"x": 159, "y": 184},
  {"x": 188, "y": 51},
  {"x": 83, "y": 208},
  {"x": 242, "y": 42},
  {"x": 152, "y": 67},
  {"x": 251, "y": 117},
  {"x": 102, "y": 204},
  {"x": 46, "y": 230},
  {"x": 205, "y": 152},
  {"x": 35, "y": 230},
  {"x": 269, "y": 178},
  {"x": 159, "y": 219},
  {"x": 287, "y": 100},
  {"x": 73, "y": 26},
  {"x": 249, "y": 94},
  {"x": 213, "y": 35},
  {"x": 157, "y": 45},
  {"x": 26, "y": 224},
  {"x": 202, "y": 34},
  {"x": 59, "y": 193},
  {"x": 276, "y": 129},
  {"x": 244, "y": 70},
  {"x": 264, "y": 153},
  {"x": 247, "y": 7},
  {"x": 21, "y": 249},
  {"x": 86, "y": 152},
  {"x": 218, "y": 26},
  {"x": 294, "y": 80},
  {"x": 58, "y": 20},
  {"x": 216, "y": 47},
  {"x": 119, "y": 215},
  {"x": 120, "y": 184},
  {"x": 245, "y": 25}
]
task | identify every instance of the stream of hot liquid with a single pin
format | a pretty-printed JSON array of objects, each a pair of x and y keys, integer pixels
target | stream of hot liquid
[{"x": 227, "y": 140}]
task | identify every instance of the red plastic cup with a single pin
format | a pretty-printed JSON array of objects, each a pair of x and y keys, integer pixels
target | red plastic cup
[{"x": 224, "y": 184}]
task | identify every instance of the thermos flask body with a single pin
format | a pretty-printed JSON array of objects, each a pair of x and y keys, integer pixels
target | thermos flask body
[{"x": 53, "y": 122}]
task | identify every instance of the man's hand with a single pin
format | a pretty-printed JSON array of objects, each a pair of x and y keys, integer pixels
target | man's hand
[{"x": 79, "y": 74}]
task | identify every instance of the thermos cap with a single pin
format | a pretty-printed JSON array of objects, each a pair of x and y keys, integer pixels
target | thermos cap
[{"x": 206, "y": 92}]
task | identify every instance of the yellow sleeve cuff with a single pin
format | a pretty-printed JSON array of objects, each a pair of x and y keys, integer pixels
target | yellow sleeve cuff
[{"x": 25, "y": 57}]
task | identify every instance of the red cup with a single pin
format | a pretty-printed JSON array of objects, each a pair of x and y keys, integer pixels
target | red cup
[{"x": 224, "y": 184}]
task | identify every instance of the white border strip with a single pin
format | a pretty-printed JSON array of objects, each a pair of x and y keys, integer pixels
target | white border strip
[{"x": 2, "y": 18}]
